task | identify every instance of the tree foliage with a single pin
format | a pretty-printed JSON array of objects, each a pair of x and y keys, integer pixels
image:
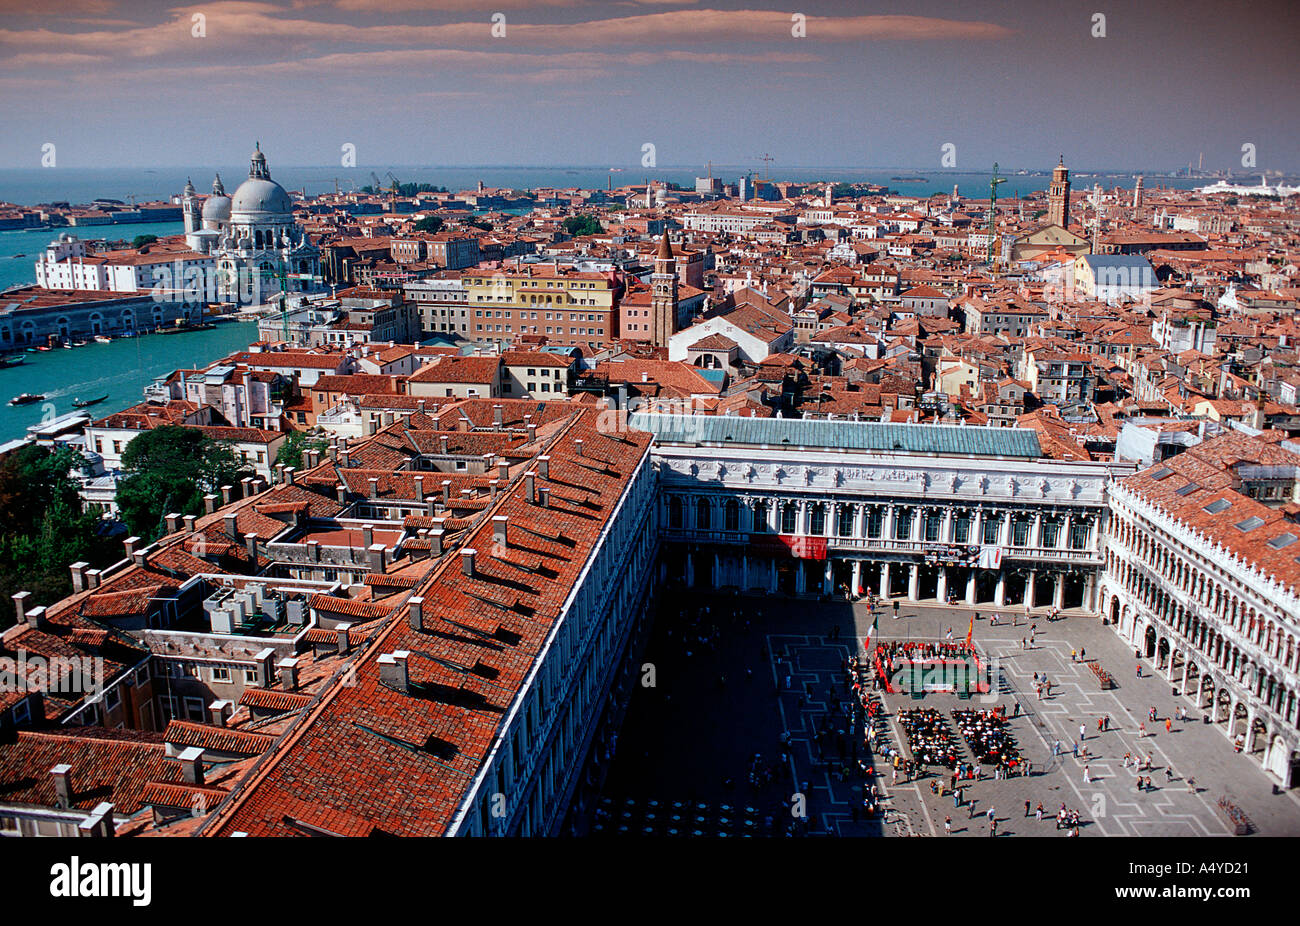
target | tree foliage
[
  {"x": 170, "y": 469},
  {"x": 140, "y": 241},
  {"x": 430, "y": 223},
  {"x": 295, "y": 444},
  {"x": 579, "y": 225},
  {"x": 42, "y": 526}
]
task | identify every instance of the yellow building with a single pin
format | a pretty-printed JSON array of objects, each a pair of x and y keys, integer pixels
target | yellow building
[{"x": 567, "y": 307}]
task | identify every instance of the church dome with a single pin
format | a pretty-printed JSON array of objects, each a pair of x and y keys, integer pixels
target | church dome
[
  {"x": 257, "y": 198},
  {"x": 216, "y": 208}
]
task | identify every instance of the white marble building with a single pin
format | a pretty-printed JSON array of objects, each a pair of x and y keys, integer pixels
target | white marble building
[{"x": 913, "y": 511}]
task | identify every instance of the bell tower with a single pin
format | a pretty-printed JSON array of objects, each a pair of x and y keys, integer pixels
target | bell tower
[
  {"x": 1058, "y": 195},
  {"x": 663, "y": 293}
]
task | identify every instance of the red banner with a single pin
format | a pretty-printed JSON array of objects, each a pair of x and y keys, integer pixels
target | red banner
[{"x": 797, "y": 547}]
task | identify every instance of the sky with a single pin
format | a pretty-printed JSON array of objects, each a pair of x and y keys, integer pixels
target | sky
[{"x": 120, "y": 83}]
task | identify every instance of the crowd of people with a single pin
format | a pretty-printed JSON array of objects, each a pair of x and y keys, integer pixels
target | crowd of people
[
  {"x": 928, "y": 736},
  {"x": 989, "y": 737}
]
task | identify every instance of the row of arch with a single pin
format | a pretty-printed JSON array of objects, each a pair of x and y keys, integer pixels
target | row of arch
[{"x": 1174, "y": 571}]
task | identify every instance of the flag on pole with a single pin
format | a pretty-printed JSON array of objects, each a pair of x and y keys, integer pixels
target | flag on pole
[
  {"x": 970, "y": 633},
  {"x": 866, "y": 644}
]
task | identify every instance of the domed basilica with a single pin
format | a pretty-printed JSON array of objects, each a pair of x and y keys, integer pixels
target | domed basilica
[{"x": 253, "y": 236}]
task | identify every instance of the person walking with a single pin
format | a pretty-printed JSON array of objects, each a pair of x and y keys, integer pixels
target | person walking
[
  {"x": 1087, "y": 777},
  {"x": 1082, "y": 730},
  {"x": 970, "y": 815},
  {"x": 1038, "y": 812},
  {"x": 1026, "y": 808},
  {"x": 947, "y": 826},
  {"x": 1169, "y": 725},
  {"x": 1191, "y": 785},
  {"x": 993, "y": 827}
]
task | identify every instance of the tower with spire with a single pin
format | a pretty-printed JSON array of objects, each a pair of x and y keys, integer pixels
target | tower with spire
[
  {"x": 663, "y": 293},
  {"x": 1058, "y": 195},
  {"x": 190, "y": 207}
]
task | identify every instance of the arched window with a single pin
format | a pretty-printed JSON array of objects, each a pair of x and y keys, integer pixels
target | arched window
[
  {"x": 817, "y": 525},
  {"x": 675, "y": 512},
  {"x": 702, "y": 514},
  {"x": 732, "y": 515},
  {"x": 789, "y": 518},
  {"x": 760, "y": 517}
]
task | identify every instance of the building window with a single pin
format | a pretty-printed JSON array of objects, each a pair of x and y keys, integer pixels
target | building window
[
  {"x": 732, "y": 509},
  {"x": 844, "y": 526},
  {"x": 1080, "y": 533},
  {"x": 961, "y": 529},
  {"x": 1051, "y": 532},
  {"x": 903, "y": 524},
  {"x": 760, "y": 517},
  {"x": 817, "y": 527},
  {"x": 702, "y": 514},
  {"x": 991, "y": 527},
  {"x": 875, "y": 523},
  {"x": 789, "y": 518},
  {"x": 675, "y": 512},
  {"x": 1020, "y": 532},
  {"x": 932, "y": 524}
]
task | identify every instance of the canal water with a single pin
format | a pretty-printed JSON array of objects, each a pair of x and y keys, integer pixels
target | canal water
[{"x": 120, "y": 369}]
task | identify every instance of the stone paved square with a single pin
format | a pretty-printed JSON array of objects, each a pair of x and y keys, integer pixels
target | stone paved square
[{"x": 692, "y": 733}]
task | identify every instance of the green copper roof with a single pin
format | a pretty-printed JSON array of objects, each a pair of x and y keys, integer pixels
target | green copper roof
[{"x": 956, "y": 440}]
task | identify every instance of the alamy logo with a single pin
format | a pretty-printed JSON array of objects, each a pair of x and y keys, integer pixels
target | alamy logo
[
  {"x": 84, "y": 675},
  {"x": 76, "y": 878}
]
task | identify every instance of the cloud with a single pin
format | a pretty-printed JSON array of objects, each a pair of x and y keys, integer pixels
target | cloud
[{"x": 252, "y": 30}]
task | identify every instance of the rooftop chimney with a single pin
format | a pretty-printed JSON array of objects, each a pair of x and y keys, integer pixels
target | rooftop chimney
[
  {"x": 377, "y": 553},
  {"x": 227, "y": 494},
  {"x": 232, "y": 526},
  {"x": 344, "y": 644},
  {"x": 499, "y": 531},
  {"x": 419, "y": 488},
  {"x": 209, "y": 503},
  {"x": 496, "y": 415},
  {"x": 435, "y": 541},
  {"x": 544, "y": 466},
  {"x": 92, "y": 578},
  {"x": 191, "y": 522},
  {"x": 467, "y": 561},
  {"x": 220, "y": 712},
  {"x": 446, "y": 491},
  {"x": 250, "y": 541},
  {"x": 393, "y": 670},
  {"x": 577, "y": 445},
  {"x": 288, "y": 673},
  {"x": 530, "y": 486},
  {"x": 503, "y": 469},
  {"x": 265, "y": 667},
  {"x": 545, "y": 494},
  {"x": 415, "y": 614},
  {"x": 191, "y": 759},
  {"x": 131, "y": 543},
  {"x": 173, "y": 522},
  {"x": 442, "y": 444},
  {"x": 99, "y": 822},
  {"x": 79, "y": 576},
  {"x": 341, "y": 493},
  {"x": 368, "y": 534},
  {"x": 247, "y": 488},
  {"x": 20, "y": 605},
  {"x": 62, "y": 775},
  {"x": 289, "y": 473},
  {"x": 374, "y": 486}
]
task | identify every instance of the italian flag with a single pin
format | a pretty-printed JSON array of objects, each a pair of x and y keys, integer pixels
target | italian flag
[{"x": 875, "y": 626}]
